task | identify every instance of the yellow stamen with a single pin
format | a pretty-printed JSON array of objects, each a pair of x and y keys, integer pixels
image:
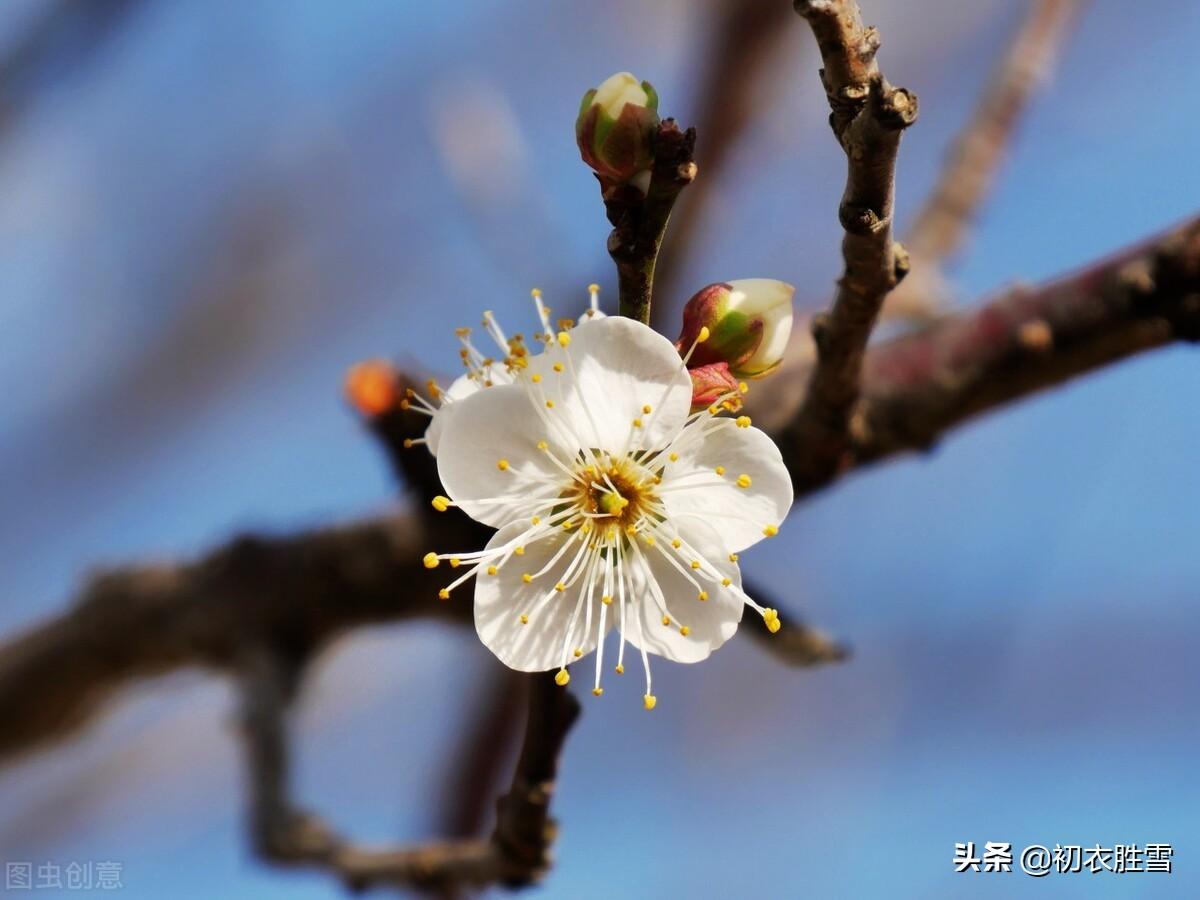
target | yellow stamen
[
  {"x": 646, "y": 409},
  {"x": 558, "y": 367},
  {"x": 743, "y": 481},
  {"x": 560, "y": 587},
  {"x": 492, "y": 570},
  {"x": 620, "y": 670},
  {"x": 578, "y": 653},
  {"x": 676, "y": 543},
  {"x": 606, "y": 600},
  {"x": 720, "y": 470},
  {"x": 535, "y": 293},
  {"x": 743, "y": 387},
  {"x": 703, "y": 335},
  {"x": 502, "y": 465},
  {"x": 666, "y": 620},
  {"x": 440, "y": 503},
  {"x": 673, "y": 457},
  {"x": 443, "y": 594},
  {"x": 733, "y": 557},
  {"x": 455, "y": 562},
  {"x": 535, "y": 378},
  {"x": 685, "y": 631},
  {"x": 649, "y": 700},
  {"x": 770, "y": 531},
  {"x": 742, "y": 421},
  {"x": 703, "y": 595},
  {"x": 562, "y": 677},
  {"x": 596, "y": 692},
  {"x": 430, "y": 561},
  {"x": 526, "y": 577},
  {"x": 637, "y": 423},
  {"x": 726, "y": 582},
  {"x": 695, "y": 563},
  {"x": 549, "y": 404},
  {"x": 520, "y": 551},
  {"x": 524, "y": 619},
  {"x": 564, "y": 339},
  {"x": 542, "y": 445}
]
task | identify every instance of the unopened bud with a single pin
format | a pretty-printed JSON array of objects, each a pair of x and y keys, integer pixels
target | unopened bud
[
  {"x": 748, "y": 321},
  {"x": 615, "y": 127},
  {"x": 710, "y": 383},
  {"x": 372, "y": 387}
]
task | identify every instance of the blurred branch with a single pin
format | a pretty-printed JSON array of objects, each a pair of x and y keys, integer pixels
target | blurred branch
[
  {"x": 639, "y": 222},
  {"x": 977, "y": 153},
  {"x": 63, "y": 37},
  {"x": 978, "y": 150},
  {"x": 868, "y": 116},
  {"x": 514, "y": 855}
]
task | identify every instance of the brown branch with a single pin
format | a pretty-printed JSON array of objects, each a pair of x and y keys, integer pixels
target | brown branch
[
  {"x": 515, "y": 854},
  {"x": 301, "y": 590},
  {"x": 868, "y": 116},
  {"x": 639, "y": 222},
  {"x": 918, "y": 387}
]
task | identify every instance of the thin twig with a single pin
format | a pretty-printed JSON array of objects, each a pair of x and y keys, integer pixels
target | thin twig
[
  {"x": 868, "y": 116},
  {"x": 639, "y": 222},
  {"x": 515, "y": 854}
]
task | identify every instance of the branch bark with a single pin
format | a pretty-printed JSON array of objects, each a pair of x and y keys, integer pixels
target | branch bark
[
  {"x": 516, "y": 853},
  {"x": 639, "y": 222},
  {"x": 918, "y": 387},
  {"x": 868, "y": 116}
]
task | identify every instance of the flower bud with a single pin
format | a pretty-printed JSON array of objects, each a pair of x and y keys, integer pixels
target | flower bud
[
  {"x": 373, "y": 388},
  {"x": 748, "y": 324},
  {"x": 711, "y": 382},
  {"x": 615, "y": 127}
]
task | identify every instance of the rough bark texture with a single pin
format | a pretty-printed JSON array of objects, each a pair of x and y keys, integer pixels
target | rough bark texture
[{"x": 868, "y": 116}]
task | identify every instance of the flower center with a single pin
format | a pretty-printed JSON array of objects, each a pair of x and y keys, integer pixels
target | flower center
[{"x": 615, "y": 493}]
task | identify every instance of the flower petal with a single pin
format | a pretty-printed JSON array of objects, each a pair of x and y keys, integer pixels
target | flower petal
[
  {"x": 692, "y": 489},
  {"x": 488, "y": 451},
  {"x": 616, "y": 368},
  {"x": 501, "y": 600},
  {"x": 710, "y": 623},
  {"x": 462, "y": 387}
]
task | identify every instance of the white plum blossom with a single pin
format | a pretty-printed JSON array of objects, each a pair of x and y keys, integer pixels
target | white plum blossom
[
  {"x": 615, "y": 506},
  {"x": 488, "y": 371}
]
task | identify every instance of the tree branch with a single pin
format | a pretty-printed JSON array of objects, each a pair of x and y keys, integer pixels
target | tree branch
[
  {"x": 918, "y": 387},
  {"x": 868, "y": 116},
  {"x": 301, "y": 590},
  {"x": 639, "y": 222},
  {"x": 516, "y": 854}
]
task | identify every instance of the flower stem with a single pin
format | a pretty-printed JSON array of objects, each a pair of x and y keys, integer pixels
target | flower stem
[{"x": 640, "y": 221}]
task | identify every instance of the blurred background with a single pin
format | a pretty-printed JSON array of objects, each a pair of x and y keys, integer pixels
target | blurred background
[{"x": 208, "y": 210}]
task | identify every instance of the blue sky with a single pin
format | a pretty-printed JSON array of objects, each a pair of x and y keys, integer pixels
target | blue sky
[{"x": 206, "y": 224}]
